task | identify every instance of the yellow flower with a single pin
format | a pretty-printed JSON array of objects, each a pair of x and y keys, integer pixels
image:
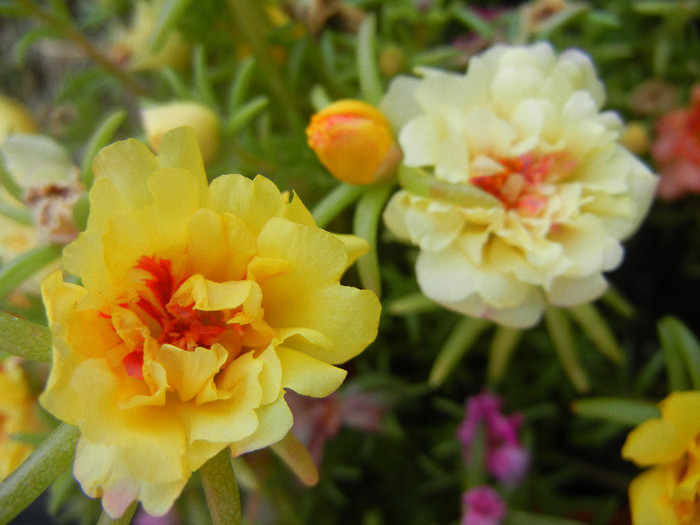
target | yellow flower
[
  {"x": 14, "y": 118},
  {"x": 354, "y": 142},
  {"x": 158, "y": 120},
  {"x": 669, "y": 492},
  {"x": 17, "y": 415},
  {"x": 199, "y": 306},
  {"x": 530, "y": 194},
  {"x": 133, "y": 45}
]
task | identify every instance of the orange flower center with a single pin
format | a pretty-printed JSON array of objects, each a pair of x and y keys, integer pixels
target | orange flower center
[
  {"x": 173, "y": 324},
  {"x": 519, "y": 185}
]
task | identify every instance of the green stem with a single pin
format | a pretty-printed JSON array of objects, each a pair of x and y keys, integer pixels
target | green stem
[
  {"x": 50, "y": 459},
  {"x": 25, "y": 339},
  {"x": 365, "y": 224},
  {"x": 70, "y": 33},
  {"x": 221, "y": 489},
  {"x": 125, "y": 519},
  {"x": 16, "y": 213},
  {"x": 335, "y": 202},
  {"x": 460, "y": 340}
]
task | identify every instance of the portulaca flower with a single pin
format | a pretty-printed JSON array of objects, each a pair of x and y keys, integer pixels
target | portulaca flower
[{"x": 516, "y": 189}]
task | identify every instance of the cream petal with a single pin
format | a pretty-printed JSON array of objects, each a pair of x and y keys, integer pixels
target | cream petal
[
  {"x": 565, "y": 291},
  {"x": 399, "y": 104}
]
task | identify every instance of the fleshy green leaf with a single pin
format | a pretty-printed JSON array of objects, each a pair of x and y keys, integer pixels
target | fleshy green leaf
[
  {"x": 629, "y": 412},
  {"x": 366, "y": 221},
  {"x": 502, "y": 345},
  {"x": 370, "y": 82},
  {"x": 563, "y": 340},
  {"x": 221, "y": 489},
  {"x": 22, "y": 267},
  {"x": 457, "y": 344},
  {"x": 297, "y": 457},
  {"x": 53, "y": 457},
  {"x": 168, "y": 17},
  {"x": 335, "y": 202},
  {"x": 681, "y": 352},
  {"x": 519, "y": 517},
  {"x": 99, "y": 139},
  {"x": 25, "y": 339},
  {"x": 597, "y": 330},
  {"x": 418, "y": 182}
]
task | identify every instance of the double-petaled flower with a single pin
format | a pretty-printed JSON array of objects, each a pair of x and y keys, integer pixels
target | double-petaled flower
[
  {"x": 198, "y": 306},
  {"x": 668, "y": 492},
  {"x": 517, "y": 191}
]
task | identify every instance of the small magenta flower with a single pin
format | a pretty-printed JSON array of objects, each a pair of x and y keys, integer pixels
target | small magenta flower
[
  {"x": 354, "y": 141},
  {"x": 482, "y": 506},
  {"x": 506, "y": 458}
]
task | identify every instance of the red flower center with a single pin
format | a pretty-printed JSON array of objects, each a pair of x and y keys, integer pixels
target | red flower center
[
  {"x": 173, "y": 324},
  {"x": 519, "y": 185}
]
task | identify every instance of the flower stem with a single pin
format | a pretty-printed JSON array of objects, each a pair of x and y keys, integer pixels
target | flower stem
[
  {"x": 221, "y": 489},
  {"x": 335, "y": 202},
  {"x": 50, "y": 459}
]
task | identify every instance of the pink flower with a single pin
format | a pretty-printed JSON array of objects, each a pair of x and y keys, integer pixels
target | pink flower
[
  {"x": 506, "y": 459},
  {"x": 482, "y": 506},
  {"x": 677, "y": 150}
]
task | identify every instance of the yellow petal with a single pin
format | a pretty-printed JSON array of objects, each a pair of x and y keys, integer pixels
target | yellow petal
[
  {"x": 308, "y": 376},
  {"x": 220, "y": 245},
  {"x": 190, "y": 372},
  {"x": 649, "y": 501},
  {"x": 274, "y": 421},
  {"x": 667, "y": 439},
  {"x": 255, "y": 201}
]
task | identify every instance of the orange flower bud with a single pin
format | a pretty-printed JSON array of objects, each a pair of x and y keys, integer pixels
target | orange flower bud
[{"x": 354, "y": 141}]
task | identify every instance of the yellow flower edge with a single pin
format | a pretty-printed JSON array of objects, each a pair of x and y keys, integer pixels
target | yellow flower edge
[
  {"x": 17, "y": 415},
  {"x": 667, "y": 493},
  {"x": 199, "y": 305}
]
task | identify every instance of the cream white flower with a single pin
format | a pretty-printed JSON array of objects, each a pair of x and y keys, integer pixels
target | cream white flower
[{"x": 527, "y": 192}]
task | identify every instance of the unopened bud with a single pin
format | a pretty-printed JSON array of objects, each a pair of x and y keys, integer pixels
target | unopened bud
[{"x": 354, "y": 141}]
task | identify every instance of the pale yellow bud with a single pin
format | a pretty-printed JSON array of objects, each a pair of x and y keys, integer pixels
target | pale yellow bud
[
  {"x": 354, "y": 141},
  {"x": 133, "y": 45},
  {"x": 158, "y": 120},
  {"x": 14, "y": 118}
]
